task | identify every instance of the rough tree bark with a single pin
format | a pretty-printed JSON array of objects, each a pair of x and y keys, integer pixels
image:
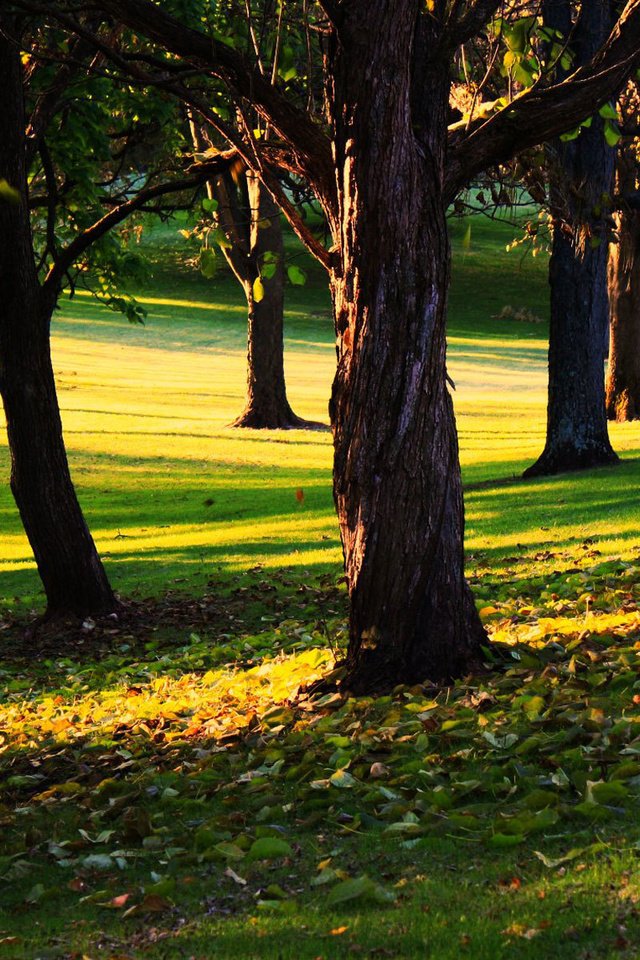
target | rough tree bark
[
  {"x": 397, "y": 476},
  {"x": 623, "y": 374},
  {"x": 68, "y": 563},
  {"x": 581, "y": 176}
]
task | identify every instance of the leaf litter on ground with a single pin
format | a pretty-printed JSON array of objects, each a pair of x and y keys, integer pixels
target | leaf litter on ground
[{"x": 136, "y": 778}]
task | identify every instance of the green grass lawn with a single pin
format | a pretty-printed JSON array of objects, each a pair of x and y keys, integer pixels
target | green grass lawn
[{"x": 168, "y": 793}]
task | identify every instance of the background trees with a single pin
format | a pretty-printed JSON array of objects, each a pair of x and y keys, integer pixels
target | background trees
[
  {"x": 623, "y": 373},
  {"x": 581, "y": 185}
]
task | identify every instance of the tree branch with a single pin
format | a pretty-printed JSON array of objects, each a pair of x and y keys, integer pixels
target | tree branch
[
  {"x": 295, "y": 126},
  {"x": 461, "y": 29},
  {"x": 333, "y": 11},
  {"x": 538, "y": 115},
  {"x": 68, "y": 256}
]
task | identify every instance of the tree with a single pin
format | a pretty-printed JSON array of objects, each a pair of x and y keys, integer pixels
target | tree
[
  {"x": 581, "y": 177},
  {"x": 384, "y": 169},
  {"x": 623, "y": 374},
  {"x": 247, "y": 228},
  {"x": 45, "y": 182}
]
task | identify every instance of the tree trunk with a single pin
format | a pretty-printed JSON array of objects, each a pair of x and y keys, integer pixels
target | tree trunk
[
  {"x": 267, "y": 406},
  {"x": 397, "y": 480},
  {"x": 623, "y": 375},
  {"x": 581, "y": 175},
  {"x": 72, "y": 573},
  {"x": 253, "y": 229}
]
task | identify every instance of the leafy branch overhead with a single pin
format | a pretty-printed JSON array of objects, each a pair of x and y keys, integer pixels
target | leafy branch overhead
[{"x": 537, "y": 114}]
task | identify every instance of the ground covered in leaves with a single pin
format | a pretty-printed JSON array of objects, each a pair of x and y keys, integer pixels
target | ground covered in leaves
[{"x": 200, "y": 800}]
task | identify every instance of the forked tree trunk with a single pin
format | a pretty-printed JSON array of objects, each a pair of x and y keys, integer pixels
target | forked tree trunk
[
  {"x": 581, "y": 175},
  {"x": 72, "y": 573},
  {"x": 623, "y": 374},
  {"x": 267, "y": 406},
  {"x": 397, "y": 477}
]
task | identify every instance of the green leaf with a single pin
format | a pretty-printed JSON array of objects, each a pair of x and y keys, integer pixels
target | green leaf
[
  {"x": 219, "y": 236},
  {"x": 533, "y": 707},
  {"x": 571, "y": 135},
  {"x": 352, "y": 889},
  {"x": 343, "y": 780},
  {"x": 599, "y": 791},
  {"x": 36, "y": 894},
  {"x": 9, "y": 193},
  {"x": 208, "y": 263},
  {"x": 500, "y": 841},
  {"x": 209, "y": 205},
  {"x": 608, "y": 111},
  {"x": 296, "y": 275},
  {"x": 573, "y": 854},
  {"x": 269, "y": 848},
  {"x": 230, "y": 850},
  {"x": 612, "y": 133},
  {"x": 98, "y": 861}
]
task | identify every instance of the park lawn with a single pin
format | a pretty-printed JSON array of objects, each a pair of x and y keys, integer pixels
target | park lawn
[{"x": 176, "y": 796}]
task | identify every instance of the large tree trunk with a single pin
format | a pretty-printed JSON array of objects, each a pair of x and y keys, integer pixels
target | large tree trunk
[
  {"x": 581, "y": 175},
  {"x": 623, "y": 375},
  {"x": 397, "y": 477},
  {"x": 267, "y": 406},
  {"x": 71, "y": 571}
]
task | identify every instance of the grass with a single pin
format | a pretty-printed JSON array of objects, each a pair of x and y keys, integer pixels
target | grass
[{"x": 142, "y": 766}]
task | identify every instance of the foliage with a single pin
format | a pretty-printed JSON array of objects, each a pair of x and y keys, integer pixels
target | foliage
[
  {"x": 97, "y": 141},
  {"x": 136, "y": 785}
]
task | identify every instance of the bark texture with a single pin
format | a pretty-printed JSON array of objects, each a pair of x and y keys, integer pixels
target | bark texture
[
  {"x": 396, "y": 478},
  {"x": 68, "y": 563},
  {"x": 581, "y": 176},
  {"x": 623, "y": 374}
]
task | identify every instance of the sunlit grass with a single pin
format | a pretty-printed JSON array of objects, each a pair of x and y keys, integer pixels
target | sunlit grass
[
  {"x": 171, "y": 492},
  {"x": 139, "y": 783}
]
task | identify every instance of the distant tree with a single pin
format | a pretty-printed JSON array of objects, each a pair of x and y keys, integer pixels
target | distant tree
[
  {"x": 244, "y": 222},
  {"x": 623, "y": 374},
  {"x": 580, "y": 169}
]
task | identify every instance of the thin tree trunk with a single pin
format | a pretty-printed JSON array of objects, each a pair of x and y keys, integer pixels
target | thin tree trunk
[
  {"x": 70, "y": 568},
  {"x": 253, "y": 229},
  {"x": 397, "y": 477},
  {"x": 623, "y": 374},
  {"x": 267, "y": 406},
  {"x": 581, "y": 175}
]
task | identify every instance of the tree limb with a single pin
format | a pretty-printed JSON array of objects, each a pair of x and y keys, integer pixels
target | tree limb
[
  {"x": 68, "y": 256},
  {"x": 538, "y": 115},
  {"x": 295, "y": 126},
  {"x": 469, "y": 24}
]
